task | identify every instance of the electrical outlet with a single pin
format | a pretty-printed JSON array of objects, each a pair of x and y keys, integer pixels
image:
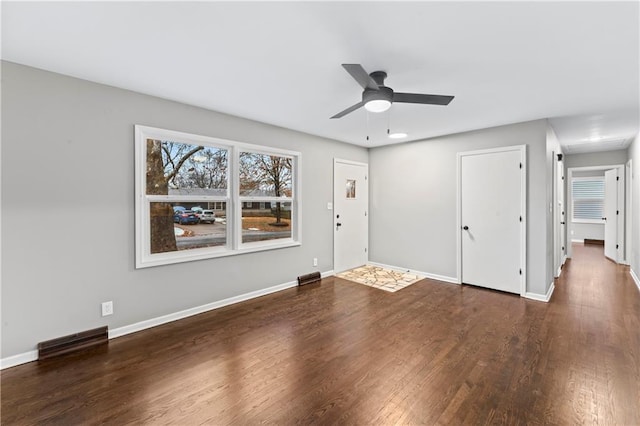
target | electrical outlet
[
  {"x": 315, "y": 261},
  {"x": 107, "y": 308}
]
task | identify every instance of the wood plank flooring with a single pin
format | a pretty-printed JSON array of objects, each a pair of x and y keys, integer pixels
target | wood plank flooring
[{"x": 343, "y": 353}]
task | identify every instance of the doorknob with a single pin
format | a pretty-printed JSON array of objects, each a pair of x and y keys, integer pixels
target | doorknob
[
  {"x": 561, "y": 223},
  {"x": 338, "y": 224},
  {"x": 604, "y": 218},
  {"x": 466, "y": 228}
]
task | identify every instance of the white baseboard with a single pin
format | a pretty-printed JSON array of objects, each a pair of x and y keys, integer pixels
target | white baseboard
[
  {"x": 635, "y": 278},
  {"x": 577, "y": 241},
  {"x": 327, "y": 274},
  {"x": 23, "y": 358},
  {"x": 30, "y": 356},
  {"x": 437, "y": 277},
  {"x": 541, "y": 297}
]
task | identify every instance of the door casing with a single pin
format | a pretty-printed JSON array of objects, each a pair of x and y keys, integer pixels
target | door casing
[{"x": 622, "y": 217}]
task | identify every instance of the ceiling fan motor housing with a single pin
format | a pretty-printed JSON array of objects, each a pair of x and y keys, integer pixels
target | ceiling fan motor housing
[{"x": 382, "y": 94}]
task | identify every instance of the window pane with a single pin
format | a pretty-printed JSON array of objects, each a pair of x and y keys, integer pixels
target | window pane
[
  {"x": 588, "y": 198},
  {"x": 187, "y": 225},
  {"x": 265, "y": 175},
  {"x": 271, "y": 223},
  {"x": 588, "y": 209},
  {"x": 175, "y": 168},
  {"x": 351, "y": 188},
  {"x": 588, "y": 189}
]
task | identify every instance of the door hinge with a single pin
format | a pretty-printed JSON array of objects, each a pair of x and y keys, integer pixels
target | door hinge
[
  {"x": 365, "y": 249},
  {"x": 616, "y": 247},
  {"x": 365, "y": 177},
  {"x": 562, "y": 248},
  {"x": 520, "y": 271},
  {"x": 617, "y": 177},
  {"x": 520, "y": 165},
  {"x": 520, "y": 218},
  {"x": 617, "y": 212},
  {"x": 365, "y": 213}
]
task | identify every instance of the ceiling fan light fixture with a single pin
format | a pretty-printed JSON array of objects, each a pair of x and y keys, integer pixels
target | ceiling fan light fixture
[
  {"x": 377, "y": 105},
  {"x": 377, "y": 100}
]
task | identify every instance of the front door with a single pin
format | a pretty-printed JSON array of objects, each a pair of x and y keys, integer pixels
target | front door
[
  {"x": 492, "y": 218},
  {"x": 350, "y": 215}
]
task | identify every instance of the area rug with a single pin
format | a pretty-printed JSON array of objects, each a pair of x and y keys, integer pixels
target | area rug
[{"x": 382, "y": 278}]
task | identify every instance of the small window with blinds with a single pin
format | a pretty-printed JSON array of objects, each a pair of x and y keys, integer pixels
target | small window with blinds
[{"x": 587, "y": 199}]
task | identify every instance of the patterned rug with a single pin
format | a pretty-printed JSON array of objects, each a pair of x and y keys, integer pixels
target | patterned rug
[{"x": 382, "y": 278}]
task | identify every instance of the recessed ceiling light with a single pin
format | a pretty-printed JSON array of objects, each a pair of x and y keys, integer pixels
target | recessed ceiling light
[{"x": 398, "y": 135}]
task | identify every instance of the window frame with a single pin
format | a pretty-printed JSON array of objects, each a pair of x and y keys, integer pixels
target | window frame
[
  {"x": 234, "y": 245},
  {"x": 573, "y": 200}
]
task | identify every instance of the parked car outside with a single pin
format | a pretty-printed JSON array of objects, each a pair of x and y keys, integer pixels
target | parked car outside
[
  {"x": 177, "y": 209},
  {"x": 185, "y": 217},
  {"x": 208, "y": 216}
]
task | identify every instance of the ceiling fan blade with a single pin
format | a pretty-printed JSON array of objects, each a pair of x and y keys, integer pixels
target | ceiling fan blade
[
  {"x": 348, "y": 110},
  {"x": 417, "y": 98},
  {"x": 361, "y": 76}
]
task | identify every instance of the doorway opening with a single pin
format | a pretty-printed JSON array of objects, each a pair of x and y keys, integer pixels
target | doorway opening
[{"x": 596, "y": 209}]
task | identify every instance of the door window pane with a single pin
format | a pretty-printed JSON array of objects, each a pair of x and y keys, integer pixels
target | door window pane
[{"x": 351, "y": 188}]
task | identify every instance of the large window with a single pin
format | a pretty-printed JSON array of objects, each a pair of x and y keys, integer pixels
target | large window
[
  {"x": 199, "y": 197},
  {"x": 588, "y": 199}
]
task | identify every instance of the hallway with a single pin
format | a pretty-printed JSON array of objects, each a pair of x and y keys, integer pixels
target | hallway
[{"x": 593, "y": 341}]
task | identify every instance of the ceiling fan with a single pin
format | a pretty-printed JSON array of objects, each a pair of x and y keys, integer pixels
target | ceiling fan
[{"x": 377, "y": 97}]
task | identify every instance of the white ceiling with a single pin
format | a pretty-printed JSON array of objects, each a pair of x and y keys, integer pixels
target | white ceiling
[{"x": 279, "y": 62}]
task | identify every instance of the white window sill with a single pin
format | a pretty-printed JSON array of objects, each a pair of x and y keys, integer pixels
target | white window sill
[
  {"x": 208, "y": 253},
  {"x": 589, "y": 221}
]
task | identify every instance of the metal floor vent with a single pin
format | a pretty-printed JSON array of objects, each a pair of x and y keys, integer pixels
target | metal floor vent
[
  {"x": 309, "y": 278},
  {"x": 72, "y": 343}
]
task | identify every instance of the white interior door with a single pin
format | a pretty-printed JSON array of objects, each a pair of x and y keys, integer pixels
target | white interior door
[
  {"x": 492, "y": 219},
  {"x": 610, "y": 217},
  {"x": 561, "y": 217},
  {"x": 350, "y": 218},
  {"x": 628, "y": 217}
]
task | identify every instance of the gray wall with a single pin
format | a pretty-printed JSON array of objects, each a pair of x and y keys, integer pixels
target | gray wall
[
  {"x": 606, "y": 158},
  {"x": 68, "y": 209},
  {"x": 634, "y": 155},
  {"x": 413, "y": 200},
  {"x": 580, "y": 231}
]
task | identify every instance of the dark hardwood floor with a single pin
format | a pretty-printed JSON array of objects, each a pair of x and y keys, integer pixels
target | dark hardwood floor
[{"x": 343, "y": 353}]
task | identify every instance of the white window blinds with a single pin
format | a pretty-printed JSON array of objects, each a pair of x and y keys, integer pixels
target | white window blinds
[{"x": 588, "y": 198}]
